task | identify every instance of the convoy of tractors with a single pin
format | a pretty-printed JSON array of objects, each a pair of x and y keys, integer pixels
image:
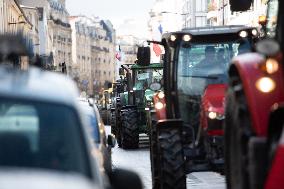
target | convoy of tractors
[{"x": 215, "y": 102}]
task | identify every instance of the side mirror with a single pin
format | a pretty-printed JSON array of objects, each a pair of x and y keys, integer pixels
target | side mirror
[
  {"x": 268, "y": 47},
  {"x": 123, "y": 179},
  {"x": 143, "y": 56},
  {"x": 240, "y": 5},
  {"x": 111, "y": 141},
  {"x": 121, "y": 71}
]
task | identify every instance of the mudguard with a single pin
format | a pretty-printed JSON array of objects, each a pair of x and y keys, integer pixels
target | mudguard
[{"x": 259, "y": 103}]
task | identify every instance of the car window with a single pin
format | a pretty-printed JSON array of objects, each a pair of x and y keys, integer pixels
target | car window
[
  {"x": 42, "y": 135},
  {"x": 92, "y": 121}
]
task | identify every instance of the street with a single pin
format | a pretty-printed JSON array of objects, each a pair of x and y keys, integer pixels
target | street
[{"x": 139, "y": 161}]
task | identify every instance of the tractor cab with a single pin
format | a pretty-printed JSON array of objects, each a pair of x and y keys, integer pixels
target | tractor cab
[
  {"x": 197, "y": 58},
  {"x": 146, "y": 79}
]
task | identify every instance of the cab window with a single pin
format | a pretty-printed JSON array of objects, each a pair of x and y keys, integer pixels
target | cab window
[{"x": 272, "y": 11}]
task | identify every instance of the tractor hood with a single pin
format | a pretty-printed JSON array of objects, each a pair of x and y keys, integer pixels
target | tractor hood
[{"x": 213, "y": 99}]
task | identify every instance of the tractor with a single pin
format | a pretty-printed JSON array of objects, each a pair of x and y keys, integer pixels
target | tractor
[
  {"x": 105, "y": 103},
  {"x": 133, "y": 102},
  {"x": 190, "y": 112},
  {"x": 254, "y": 148}
]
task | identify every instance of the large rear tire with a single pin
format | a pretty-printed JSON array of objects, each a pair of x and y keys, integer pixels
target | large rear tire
[
  {"x": 237, "y": 134},
  {"x": 171, "y": 159},
  {"x": 129, "y": 129},
  {"x": 113, "y": 123},
  {"x": 154, "y": 153}
]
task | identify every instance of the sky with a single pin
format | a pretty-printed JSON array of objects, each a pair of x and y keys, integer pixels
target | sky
[{"x": 116, "y": 11}]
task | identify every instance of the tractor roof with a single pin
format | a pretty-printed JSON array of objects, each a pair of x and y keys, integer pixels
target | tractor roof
[
  {"x": 150, "y": 66},
  {"x": 215, "y": 33},
  {"x": 209, "y": 30}
]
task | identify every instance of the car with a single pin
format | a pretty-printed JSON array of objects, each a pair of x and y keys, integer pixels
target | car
[
  {"x": 42, "y": 129},
  {"x": 97, "y": 131}
]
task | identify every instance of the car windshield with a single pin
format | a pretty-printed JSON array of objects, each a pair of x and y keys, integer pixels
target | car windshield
[
  {"x": 145, "y": 77},
  {"x": 41, "y": 135},
  {"x": 200, "y": 65}
]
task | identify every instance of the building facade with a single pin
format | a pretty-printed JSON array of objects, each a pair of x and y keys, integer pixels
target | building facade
[
  {"x": 220, "y": 13},
  {"x": 60, "y": 36},
  {"x": 128, "y": 45},
  {"x": 14, "y": 21},
  {"x": 195, "y": 13},
  {"x": 93, "y": 52}
]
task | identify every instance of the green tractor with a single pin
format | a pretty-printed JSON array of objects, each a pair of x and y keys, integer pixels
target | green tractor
[{"x": 131, "y": 112}]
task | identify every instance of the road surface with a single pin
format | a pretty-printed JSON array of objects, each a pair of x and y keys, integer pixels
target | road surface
[{"x": 139, "y": 161}]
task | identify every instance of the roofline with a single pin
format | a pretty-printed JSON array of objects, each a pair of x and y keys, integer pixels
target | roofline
[{"x": 23, "y": 13}]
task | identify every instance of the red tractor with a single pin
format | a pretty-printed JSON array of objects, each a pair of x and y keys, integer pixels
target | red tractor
[
  {"x": 188, "y": 135},
  {"x": 254, "y": 156}
]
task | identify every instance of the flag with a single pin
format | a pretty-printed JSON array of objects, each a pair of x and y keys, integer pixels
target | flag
[
  {"x": 160, "y": 28},
  {"x": 157, "y": 49},
  {"x": 118, "y": 56},
  {"x": 157, "y": 36}
]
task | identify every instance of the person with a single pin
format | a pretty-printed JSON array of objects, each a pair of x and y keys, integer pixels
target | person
[
  {"x": 209, "y": 56},
  {"x": 220, "y": 56}
]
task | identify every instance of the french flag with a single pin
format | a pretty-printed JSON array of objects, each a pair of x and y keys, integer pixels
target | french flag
[{"x": 157, "y": 35}]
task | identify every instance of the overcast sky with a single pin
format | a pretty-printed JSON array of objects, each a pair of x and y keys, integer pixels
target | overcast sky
[{"x": 114, "y": 10}]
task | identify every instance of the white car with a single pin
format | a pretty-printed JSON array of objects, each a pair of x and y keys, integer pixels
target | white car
[
  {"x": 43, "y": 129},
  {"x": 97, "y": 131}
]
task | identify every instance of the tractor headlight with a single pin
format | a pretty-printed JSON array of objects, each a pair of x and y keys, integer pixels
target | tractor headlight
[
  {"x": 265, "y": 84},
  {"x": 254, "y": 32},
  {"x": 186, "y": 38},
  {"x": 159, "y": 105},
  {"x": 270, "y": 66},
  {"x": 216, "y": 115},
  {"x": 161, "y": 95},
  {"x": 173, "y": 38},
  {"x": 243, "y": 34}
]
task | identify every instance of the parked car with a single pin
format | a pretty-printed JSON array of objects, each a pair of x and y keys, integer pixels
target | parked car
[
  {"x": 97, "y": 130},
  {"x": 42, "y": 129}
]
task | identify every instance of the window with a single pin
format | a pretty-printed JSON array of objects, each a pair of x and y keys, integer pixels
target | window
[
  {"x": 272, "y": 11},
  {"x": 44, "y": 135},
  {"x": 200, "y": 5},
  {"x": 200, "y": 65}
]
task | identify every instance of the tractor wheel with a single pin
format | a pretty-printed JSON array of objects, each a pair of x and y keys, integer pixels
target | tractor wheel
[
  {"x": 171, "y": 159},
  {"x": 154, "y": 154},
  {"x": 237, "y": 135},
  {"x": 118, "y": 137},
  {"x": 129, "y": 129},
  {"x": 113, "y": 123}
]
